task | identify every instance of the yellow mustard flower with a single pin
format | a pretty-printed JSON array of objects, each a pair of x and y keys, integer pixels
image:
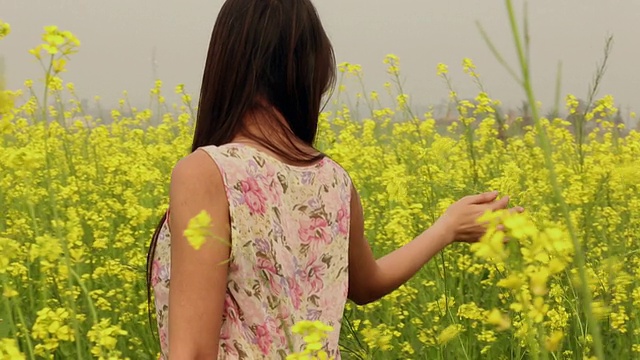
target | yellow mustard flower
[{"x": 198, "y": 229}]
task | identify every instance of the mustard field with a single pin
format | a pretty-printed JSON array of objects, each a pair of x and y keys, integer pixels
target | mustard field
[{"x": 81, "y": 195}]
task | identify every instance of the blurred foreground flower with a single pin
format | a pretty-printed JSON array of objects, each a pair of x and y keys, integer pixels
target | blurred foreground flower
[
  {"x": 9, "y": 350},
  {"x": 314, "y": 332},
  {"x": 198, "y": 229},
  {"x": 5, "y": 29},
  {"x": 449, "y": 333}
]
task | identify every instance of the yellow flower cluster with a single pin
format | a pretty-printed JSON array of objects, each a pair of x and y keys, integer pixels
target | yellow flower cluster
[
  {"x": 314, "y": 333},
  {"x": 198, "y": 229},
  {"x": 6, "y": 97},
  {"x": 51, "y": 327},
  {"x": 536, "y": 258},
  {"x": 9, "y": 350},
  {"x": 55, "y": 41},
  {"x": 103, "y": 336}
]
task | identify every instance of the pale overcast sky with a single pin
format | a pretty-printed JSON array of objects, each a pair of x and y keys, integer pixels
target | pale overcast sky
[{"x": 118, "y": 37}]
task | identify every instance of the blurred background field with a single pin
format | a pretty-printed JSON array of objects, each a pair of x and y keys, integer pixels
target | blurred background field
[{"x": 81, "y": 191}]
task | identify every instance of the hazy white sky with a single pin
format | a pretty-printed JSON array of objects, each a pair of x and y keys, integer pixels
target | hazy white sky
[{"x": 118, "y": 37}]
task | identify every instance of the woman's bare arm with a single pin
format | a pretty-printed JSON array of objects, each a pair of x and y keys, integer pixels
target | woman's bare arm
[
  {"x": 198, "y": 277},
  {"x": 371, "y": 279}
]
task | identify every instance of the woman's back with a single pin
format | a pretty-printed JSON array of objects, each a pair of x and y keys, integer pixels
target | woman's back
[
  {"x": 293, "y": 231},
  {"x": 289, "y": 252}
]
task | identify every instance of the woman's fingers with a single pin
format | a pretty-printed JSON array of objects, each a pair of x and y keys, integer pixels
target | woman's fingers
[
  {"x": 499, "y": 204},
  {"x": 481, "y": 198},
  {"x": 517, "y": 209}
]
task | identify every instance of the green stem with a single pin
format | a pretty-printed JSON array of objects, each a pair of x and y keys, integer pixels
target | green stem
[
  {"x": 36, "y": 233},
  {"x": 365, "y": 95},
  {"x": 47, "y": 79},
  {"x": 92, "y": 309},
  {"x": 579, "y": 253},
  {"x": 556, "y": 106},
  {"x": 26, "y": 333},
  {"x": 190, "y": 107},
  {"x": 468, "y": 132}
]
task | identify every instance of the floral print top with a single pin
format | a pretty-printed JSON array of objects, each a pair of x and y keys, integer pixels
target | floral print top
[{"x": 289, "y": 255}]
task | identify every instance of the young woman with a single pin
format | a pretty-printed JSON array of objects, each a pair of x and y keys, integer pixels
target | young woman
[{"x": 288, "y": 238}]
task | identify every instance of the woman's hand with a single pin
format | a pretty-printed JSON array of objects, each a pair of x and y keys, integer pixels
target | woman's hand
[{"x": 461, "y": 218}]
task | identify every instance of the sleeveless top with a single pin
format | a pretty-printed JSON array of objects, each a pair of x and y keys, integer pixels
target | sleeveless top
[{"x": 289, "y": 253}]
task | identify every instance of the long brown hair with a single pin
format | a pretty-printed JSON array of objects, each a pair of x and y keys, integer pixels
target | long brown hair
[{"x": 267, "y": 57}]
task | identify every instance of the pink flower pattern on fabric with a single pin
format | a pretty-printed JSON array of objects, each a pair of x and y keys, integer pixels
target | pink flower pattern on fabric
[
  {"x": 289, "y": 253},
  {"x": 313, "y": 274},
  {"x": 253, "y": 195},
  {"x": 313, "y": 231},
  {"x": 343, "y": 221}
]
